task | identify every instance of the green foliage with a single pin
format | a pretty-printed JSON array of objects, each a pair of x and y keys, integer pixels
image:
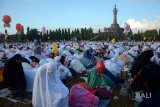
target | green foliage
[
  {"x": 33, "y": 34},
  {"x": 148, "y": 35},
  {"x": 151, "y": 34},
  {"x": 80, "y": 34}
]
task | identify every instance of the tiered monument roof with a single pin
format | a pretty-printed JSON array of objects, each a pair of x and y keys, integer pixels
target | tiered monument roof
[{"x": 114, "y": 30}]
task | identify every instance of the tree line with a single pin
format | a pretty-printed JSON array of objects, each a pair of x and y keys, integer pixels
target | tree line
[{"x": 78, "y": 34}]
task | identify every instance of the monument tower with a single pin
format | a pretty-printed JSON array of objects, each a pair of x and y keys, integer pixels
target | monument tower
[
  {"x": 115, "y": 17},
  {"x": 114, "y": 31}
]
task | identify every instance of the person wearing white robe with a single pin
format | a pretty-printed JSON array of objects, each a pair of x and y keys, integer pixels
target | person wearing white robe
[
  {"x": 48, "y": 90},
  {"x": 77, "y": 66},
  {"x": 65, "y": 72}
]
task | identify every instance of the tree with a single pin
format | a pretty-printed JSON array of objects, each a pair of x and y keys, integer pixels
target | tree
[
  {"x": 151, "y": 34},
  {"x": 22, "y": 30},
  {"x": 50, "y": 32},
  {"x": 56, "y": 35},
  {"x": 63, "y": 33},
  {"x": 33, "y": 34},
  {"x": 47, "y": 33},
  {"x": 72, "y": 34},
  {"x": 78, "y": 33},
  {"x": 59, "y": 34},
  {"x": 82, "y": 34},
  {"x": 22, "y": 35},
  {"x": 69, "y": 34},
  {"x": 28, "y": 29},
  {"x": 52, "y": 35},
  {"x": 159, "y": 34},
  {"x": 90, "y": 31},
  {"x": 85, "y": 33}
]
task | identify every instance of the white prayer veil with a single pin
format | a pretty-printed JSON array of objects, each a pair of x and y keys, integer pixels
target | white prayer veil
[{"x": 48, "y": 90}]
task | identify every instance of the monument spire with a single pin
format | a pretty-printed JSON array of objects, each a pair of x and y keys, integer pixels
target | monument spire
[
  {"x": 115, "y": 31},
  {"x": 115, "y": 10}
]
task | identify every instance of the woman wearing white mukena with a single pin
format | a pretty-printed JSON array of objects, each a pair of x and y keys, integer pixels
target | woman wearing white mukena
[{"x": 48, "y": 90}]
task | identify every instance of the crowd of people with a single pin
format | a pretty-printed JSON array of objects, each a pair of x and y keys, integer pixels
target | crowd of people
[{"x": 41, "y": 68}]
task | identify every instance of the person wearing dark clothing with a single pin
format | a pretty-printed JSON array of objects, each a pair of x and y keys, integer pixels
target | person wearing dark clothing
[
  {"x": 147, "y": 80},
  {"x": 154, "y": 101},
  {"x": 152, "y": 79},
  {"x": 14, "y": 77},
  {"x": 142, "y": 60},
  {"x": 34, "y": 59},
  {"x": 25, "y": 60}
]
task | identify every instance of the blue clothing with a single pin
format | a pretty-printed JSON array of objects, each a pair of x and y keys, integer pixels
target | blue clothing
[
  {"x": 73, "y": 72},
  {"x": 113, "y": 78},
  {"x": 72, "y": 52},
  {"x": 87, "y": 55},
  {"x": 103, "y": 102}
]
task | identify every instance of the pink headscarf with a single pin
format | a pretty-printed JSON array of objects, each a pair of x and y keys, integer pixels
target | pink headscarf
[{"x": 79, "y": 98}]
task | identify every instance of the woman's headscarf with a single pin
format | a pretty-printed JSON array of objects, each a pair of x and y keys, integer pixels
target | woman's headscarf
[{"x": 48, "y": 90}]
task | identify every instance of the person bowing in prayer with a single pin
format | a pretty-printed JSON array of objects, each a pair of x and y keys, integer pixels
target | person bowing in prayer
[
  {"x": 101, "y": 83},
  {"x": 48, "y": 89}
]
